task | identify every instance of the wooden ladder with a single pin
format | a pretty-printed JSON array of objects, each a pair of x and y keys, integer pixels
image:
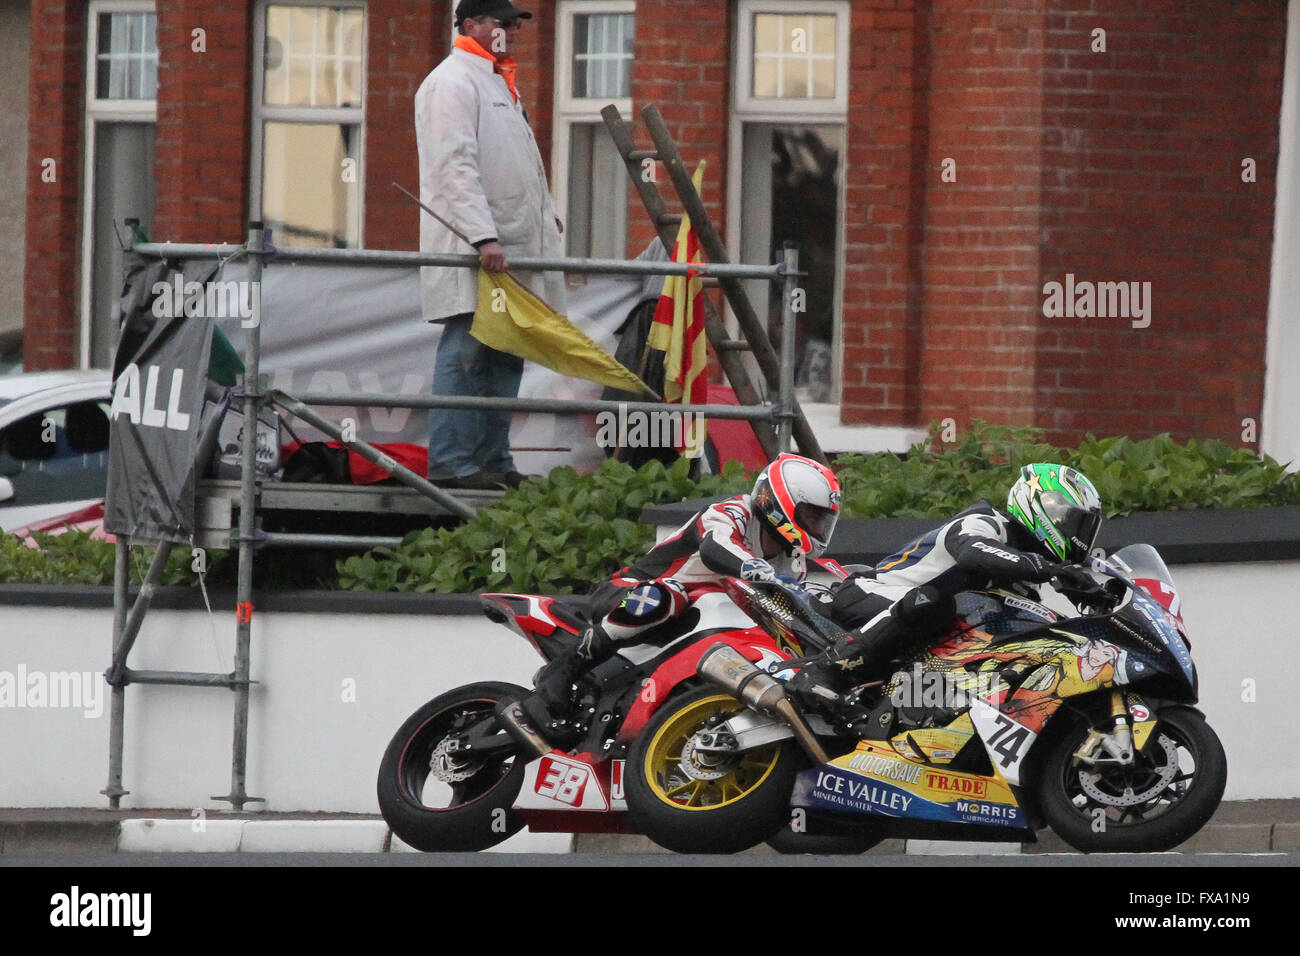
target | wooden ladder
[{"x": 754, "y": 336}]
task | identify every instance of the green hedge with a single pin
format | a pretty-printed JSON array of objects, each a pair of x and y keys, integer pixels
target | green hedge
[
  {"x": 1155, "y": 474},
  {"x": 568, "y": 531}
]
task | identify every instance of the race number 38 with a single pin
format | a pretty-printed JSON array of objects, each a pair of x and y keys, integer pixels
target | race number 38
[
  {"x": 562, "y": 782},
  {"x": 1008, "y": 741}
]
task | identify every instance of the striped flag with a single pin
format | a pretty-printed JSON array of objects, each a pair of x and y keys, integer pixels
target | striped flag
[{"x": 678, "y": 330}]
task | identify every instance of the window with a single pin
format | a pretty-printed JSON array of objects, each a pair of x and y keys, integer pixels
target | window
[
  {"x": 121, "y": 110},
  {"x": 126, "y": 55},
  {"x": 593, "y": 69},
  {"x": 785, "y": 181},
  {"x": 309, "y": 113},
  {"x": 793, "y": 63}
]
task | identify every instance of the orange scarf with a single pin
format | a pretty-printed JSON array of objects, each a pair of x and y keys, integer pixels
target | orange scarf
[{"x": 504, "y": 68}]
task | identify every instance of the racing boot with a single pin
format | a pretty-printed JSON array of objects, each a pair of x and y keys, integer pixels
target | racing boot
[
  {"x": 855, "y": 660},
  {"x": 553, "y": 696}
]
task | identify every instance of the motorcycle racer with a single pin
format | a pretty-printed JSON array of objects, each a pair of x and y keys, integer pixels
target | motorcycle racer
[
  {"x": 766, "y": 535},
  {"x": 1052, "y": 517}
]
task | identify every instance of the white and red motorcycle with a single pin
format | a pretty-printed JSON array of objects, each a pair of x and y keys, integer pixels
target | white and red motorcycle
[{"x": 459, "y": 775}]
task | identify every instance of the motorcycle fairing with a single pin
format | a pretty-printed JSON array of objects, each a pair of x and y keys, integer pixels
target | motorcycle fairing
[
  {"x": 573, "y": 794},
  {"x": 875, "y": 780},
  {"x": 937, "y": 745},
  {"x": 543, "y": 622},
  {"x": 1007, "y": 740},
  {"x": 1143, "y": 719},
  {"x": 557, "y": 781}
]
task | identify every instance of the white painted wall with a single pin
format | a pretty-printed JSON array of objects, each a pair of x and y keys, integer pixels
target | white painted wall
[
  {"x": 1280, "y": 434},
  {"x": 309, "y": 750}
]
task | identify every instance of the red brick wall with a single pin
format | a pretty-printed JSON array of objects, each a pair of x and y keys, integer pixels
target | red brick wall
[
  {"x": 979, "y": 276},
  {"x": 1115, "y": 166},
  {"x": 406, "y": 41},
  {"x": 884, "y": 204},
  {"x": 535, "y": 54},
  {"x": 1142, "y": 181},
  {"x": 52, "y": 278},
  {"x": 682, "y": 65},
  {"x": 202, "y": 140}
]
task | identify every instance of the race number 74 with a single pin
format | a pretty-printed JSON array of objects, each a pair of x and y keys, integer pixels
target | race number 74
[{"x": 1007, "y": 739}]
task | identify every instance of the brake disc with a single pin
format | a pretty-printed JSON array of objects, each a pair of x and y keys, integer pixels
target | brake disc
[
  {"x": 1088, "y": 780},
  {"x": 444, "y": 765},
  {"x": 702, "y": 762}
]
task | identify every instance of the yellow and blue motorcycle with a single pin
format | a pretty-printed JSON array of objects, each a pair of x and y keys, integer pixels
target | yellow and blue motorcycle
[{"x": 1018, "y": 718}]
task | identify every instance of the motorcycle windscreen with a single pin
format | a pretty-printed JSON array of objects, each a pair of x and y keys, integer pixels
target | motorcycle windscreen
[{"x": 1143, "y": 561}]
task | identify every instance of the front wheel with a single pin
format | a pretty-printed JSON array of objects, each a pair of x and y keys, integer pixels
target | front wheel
[
  {"x": 691, "y": 795},
  {"x": 1169, "y": 792},
  {"x": 436, "y": 798}
]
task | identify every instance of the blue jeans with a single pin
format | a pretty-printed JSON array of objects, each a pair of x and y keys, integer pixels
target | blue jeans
[{"x": 463, "y": 442}]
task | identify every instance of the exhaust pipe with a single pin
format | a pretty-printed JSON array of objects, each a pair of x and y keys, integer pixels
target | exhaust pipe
[
  {"x": 510, "y": 715},
  {"x": 725, "y": 667}
]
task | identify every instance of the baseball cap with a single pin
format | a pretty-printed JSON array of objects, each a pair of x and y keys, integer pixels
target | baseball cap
[{"x": 501, "y": 9}]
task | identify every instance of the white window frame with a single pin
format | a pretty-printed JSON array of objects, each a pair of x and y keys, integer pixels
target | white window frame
[
  {"x": 263, "y": 113},
  {"x": 101, "y": 111},
  {"x": 813, "y": 112},
  {"x": 568, "y": 109},
  {"x": 805, "y": 108}
]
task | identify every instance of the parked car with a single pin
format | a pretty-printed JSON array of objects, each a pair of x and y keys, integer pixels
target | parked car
[{"x": 53, "y": 444}]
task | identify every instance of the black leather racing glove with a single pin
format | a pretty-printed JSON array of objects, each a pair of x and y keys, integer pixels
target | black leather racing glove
[
  {"x": 1038, "y": 567},
  {"x": 1081, "y": 588}
]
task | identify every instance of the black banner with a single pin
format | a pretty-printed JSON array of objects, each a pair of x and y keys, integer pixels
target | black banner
[{"x": 159, "y": 374}]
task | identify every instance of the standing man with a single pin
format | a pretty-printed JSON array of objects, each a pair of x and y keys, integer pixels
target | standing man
[{"x": 480, "y": 170}]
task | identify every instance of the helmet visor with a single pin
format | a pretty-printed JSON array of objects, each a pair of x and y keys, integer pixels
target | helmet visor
[
  {"x": 1079, "y": 526},
  {"x": 817, "y": 521}
]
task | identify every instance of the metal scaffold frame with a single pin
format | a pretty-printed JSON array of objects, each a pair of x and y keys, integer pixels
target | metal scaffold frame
[{"x": 128, "y": 616}]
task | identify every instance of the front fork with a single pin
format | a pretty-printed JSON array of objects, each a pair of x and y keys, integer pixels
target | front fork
[{"x": 1115, "y": 747}]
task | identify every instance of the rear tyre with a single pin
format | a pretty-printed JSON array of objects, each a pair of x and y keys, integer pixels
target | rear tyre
[
  {"x": 693, "y": 801},
  {"x": 436, "y": 799},
  {"x": 1167, "y": 795}
]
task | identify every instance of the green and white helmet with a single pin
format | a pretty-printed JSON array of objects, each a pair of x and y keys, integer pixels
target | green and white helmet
[{"x": 1059, "y": 507}]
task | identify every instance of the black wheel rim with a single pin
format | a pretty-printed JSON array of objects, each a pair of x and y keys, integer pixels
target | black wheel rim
[
  {"x": 414, "y": 767},
  {"x": 1160, "y": 778}
]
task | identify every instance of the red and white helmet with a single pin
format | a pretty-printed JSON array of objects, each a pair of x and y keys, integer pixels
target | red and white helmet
[{"x": 800, "y": 500}]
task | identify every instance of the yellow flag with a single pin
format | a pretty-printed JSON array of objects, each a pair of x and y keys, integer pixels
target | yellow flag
[{"x": 510, "y": 318}]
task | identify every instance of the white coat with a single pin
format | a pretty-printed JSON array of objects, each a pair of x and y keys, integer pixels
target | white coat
[{"x": 481, "y": 171}]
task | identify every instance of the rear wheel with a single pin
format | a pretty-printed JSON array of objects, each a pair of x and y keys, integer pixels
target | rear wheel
[
  {"x": 1164, "y": 797},
  {"x": 688, "y": 795},
  {"x": 434, "y": 796}
]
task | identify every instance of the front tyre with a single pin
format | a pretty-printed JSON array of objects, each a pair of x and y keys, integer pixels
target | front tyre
[
  {"x": 1168, "y": 793},
  {"x": 432, "y": 796},
  {"x": 691, "y": 799}
]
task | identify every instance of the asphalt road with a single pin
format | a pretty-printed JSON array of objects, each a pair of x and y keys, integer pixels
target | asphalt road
[{"x": 639, "y": 861}]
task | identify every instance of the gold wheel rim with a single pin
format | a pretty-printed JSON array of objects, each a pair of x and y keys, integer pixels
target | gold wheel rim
[{"x": 681, "y": 792}]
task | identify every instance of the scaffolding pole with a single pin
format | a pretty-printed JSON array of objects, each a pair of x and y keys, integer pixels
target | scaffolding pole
[{"x": 127, "y": 622}]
